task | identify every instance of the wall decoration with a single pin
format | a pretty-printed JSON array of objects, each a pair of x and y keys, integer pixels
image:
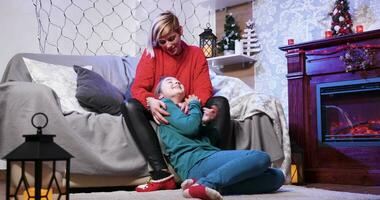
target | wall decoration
[
  {"x": 90, "y": 27},
  {"x": 357, "y": 58}
]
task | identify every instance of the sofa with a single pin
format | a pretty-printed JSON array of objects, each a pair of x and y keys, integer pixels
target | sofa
[{"x": 98, "y": 138}]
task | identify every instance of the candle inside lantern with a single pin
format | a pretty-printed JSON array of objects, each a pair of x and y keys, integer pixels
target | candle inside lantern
[
  {"x": 44, "y": 192},
  {"x": 293, "y": 173},
  {"x": 359, "y": 29},
  {"x": 328, "y": 34},
  {"x": 207, "y": 50},
  {"x": 290, "y": 41}
]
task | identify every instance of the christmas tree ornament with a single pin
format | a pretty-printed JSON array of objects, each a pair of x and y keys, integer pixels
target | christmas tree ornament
[
  {"x": 341, "y": 23},
  {"x": 231, "y": 33},
  {"x": 251, "y": 45}
]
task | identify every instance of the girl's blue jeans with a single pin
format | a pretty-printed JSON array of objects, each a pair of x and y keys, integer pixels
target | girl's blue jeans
[{"x": 238, "y": 172}]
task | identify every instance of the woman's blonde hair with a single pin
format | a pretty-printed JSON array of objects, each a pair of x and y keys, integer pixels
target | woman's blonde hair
[{"x": 165, "y": 23}]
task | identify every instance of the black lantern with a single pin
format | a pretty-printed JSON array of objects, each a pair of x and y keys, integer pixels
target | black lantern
[
  {"x": 207, "y": 42},
  {"x": 297, "y": 166},
  {"x": 33, "y": 167}
]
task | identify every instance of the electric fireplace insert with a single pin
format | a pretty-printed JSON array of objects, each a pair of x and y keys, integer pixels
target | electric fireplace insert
[{"x": 348, "y": 113}]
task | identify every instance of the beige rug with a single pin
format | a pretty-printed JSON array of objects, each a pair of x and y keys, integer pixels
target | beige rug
[{"x": 290, "y": 192}]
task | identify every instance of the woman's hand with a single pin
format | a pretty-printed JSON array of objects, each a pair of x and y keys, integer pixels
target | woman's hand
[
  {"x": 158, "y": 110},
  {"x": 209, "y": 113}
]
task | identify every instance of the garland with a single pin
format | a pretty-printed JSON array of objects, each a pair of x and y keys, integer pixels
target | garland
[{"x": 336, "y": 50}]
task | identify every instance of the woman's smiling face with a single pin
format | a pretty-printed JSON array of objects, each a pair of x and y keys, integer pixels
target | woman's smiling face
[{"x": 171, "y": 43}]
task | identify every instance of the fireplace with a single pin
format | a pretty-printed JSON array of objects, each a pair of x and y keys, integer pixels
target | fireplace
[
  {"x": 348, "y": 113},
  {"x": 334, "y": 107}
]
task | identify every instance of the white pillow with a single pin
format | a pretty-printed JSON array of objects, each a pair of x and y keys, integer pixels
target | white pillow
[{"x": 62, "y": 79}]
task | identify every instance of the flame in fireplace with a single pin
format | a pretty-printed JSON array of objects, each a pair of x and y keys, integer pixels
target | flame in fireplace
[
  {"x": 346, "y": 128},
  {"x": 371, "y": 127}
]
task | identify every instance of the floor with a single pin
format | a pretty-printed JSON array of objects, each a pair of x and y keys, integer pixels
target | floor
[
  {"x": 347, "y": 188},
  {"x": 334, "y": 187}
]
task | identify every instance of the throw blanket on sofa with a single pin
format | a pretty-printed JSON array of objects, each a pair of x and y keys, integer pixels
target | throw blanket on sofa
[{"x": 100, "y": 143}]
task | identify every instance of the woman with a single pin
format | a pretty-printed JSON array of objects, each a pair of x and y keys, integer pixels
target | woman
[{"x": 167, "y": 55}]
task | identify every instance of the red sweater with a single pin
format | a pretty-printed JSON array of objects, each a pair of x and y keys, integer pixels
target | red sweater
[{"x": 190, "y": 67}]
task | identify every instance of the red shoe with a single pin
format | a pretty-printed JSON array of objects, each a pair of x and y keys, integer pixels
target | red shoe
[{"x": 167, "y": 183}]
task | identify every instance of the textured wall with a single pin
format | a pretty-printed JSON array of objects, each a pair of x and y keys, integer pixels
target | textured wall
[{"x": 302, "y": 20}]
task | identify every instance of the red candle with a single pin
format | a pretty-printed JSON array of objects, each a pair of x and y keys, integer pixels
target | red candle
[
  {"x": 359, "y": 29},
  {"x": 290, "y": 41},
  {"x": 328, "y": 34}
]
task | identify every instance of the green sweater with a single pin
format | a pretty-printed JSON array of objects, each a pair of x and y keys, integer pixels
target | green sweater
[{"x": 184, "y": 138}]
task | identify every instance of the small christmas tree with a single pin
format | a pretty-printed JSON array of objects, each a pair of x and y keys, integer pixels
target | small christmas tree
[
  {"x": 341, "y": 19},
  {"x": 250, "y": 42},
  {"x": 231, "y": 33}
]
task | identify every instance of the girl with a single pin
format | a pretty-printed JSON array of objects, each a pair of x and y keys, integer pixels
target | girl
[{"x": 209, "y": 171}]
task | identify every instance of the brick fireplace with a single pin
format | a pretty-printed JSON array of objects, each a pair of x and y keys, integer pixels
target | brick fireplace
[{"x": 334, "y": 107}]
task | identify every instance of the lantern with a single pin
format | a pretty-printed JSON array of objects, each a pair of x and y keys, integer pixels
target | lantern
[
  {"x": 297, "y": 166},
  {"x": 32, "y": 168},
  {"x": 207, "y": 42}
]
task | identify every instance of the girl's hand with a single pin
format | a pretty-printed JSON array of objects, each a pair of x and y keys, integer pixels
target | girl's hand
[
  {"x": 191, "y": 98},
  {"x": 209, "y": 114},
  {"x": 158, "y": 110},
  {"x": 184, "y": 107}
]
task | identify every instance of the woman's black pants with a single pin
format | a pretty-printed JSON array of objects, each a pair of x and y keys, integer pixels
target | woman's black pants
[{"x": 137, "y": 119}]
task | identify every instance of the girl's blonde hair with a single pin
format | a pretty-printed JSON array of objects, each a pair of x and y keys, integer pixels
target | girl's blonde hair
[{"x": 165, "y": 23}]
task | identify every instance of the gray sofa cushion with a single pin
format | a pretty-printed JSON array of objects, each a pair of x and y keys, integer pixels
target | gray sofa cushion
[{"x": 97, "y": 94}]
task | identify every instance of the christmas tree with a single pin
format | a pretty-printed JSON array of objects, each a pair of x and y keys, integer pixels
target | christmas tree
[
  {"x": 231, "y": 33},
  {"x": 341, "y": 19},
  {"x": 250, "y": 42}
]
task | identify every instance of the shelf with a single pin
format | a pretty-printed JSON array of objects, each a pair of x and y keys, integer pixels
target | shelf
[
  {"x": 230, "y": 60},
  {"x": 220, "y": 4}
]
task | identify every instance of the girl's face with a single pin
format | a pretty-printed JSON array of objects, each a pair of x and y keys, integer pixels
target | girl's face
[
  {"x": 171, "y": 43},
  {"x": 172, "y": 88}
]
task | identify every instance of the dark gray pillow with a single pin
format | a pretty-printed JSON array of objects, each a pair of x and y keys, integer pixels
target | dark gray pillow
[{"x": 97, "y": 94}]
